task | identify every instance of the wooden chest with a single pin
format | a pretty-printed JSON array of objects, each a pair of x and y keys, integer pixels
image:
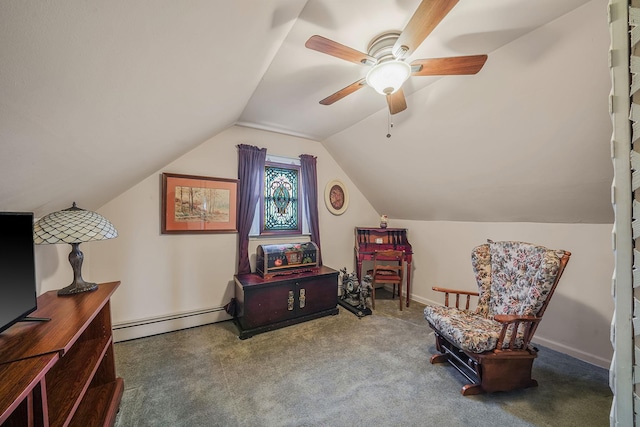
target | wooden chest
[
  {"x": 266, "y": 304},
  {"x": 286, "y": 258}
]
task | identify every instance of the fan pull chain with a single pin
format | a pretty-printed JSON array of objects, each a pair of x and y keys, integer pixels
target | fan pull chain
[{"x": 389, "y": 124}]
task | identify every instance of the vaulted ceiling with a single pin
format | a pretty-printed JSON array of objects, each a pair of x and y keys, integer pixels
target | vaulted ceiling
[{"x": 97, "y": 95}]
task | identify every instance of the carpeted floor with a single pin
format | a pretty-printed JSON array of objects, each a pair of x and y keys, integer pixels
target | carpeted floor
[{"x": 338, "y": 371}]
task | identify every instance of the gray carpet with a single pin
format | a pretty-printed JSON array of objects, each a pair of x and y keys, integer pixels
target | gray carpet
[{"x": 338, "y": 371}]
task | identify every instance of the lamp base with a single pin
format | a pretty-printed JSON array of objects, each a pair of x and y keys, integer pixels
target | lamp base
[
  {"x": 77, "y": 288},
  {"x": 78, "y": 285}
]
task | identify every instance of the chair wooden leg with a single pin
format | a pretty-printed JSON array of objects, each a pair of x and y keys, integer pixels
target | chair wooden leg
[
  {"x": 400, "y": 295},
  {"x": 439, "y": 358},
  {"x": 408, "y": 293},
  {"x": 373, "y": 297},
  {"x": 471, "y": 389}
]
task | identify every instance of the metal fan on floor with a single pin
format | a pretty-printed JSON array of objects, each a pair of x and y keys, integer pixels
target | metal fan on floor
[{"x": 387, "y": 54}]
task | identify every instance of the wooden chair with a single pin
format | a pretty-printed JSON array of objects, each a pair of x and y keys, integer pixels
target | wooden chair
[
  {"x": 491, "y": 346},
  {"x": 388, "y": 268}
]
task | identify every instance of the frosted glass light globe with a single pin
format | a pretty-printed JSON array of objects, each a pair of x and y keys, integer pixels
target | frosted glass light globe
[{"x": 386, "y": 78}]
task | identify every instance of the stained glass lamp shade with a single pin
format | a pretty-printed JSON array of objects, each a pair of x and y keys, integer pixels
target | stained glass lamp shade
[{"x": 73, "y": 226}]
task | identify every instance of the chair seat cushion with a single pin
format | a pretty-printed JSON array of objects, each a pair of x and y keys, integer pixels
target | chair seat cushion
[
  {"x": 387, "y": 278},
  {"x": 466, "y": 330},
  {"x": 386, "y": 273}
]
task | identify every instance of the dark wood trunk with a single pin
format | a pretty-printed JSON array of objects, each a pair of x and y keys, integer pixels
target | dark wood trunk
[{"x": 265, "y": 304}]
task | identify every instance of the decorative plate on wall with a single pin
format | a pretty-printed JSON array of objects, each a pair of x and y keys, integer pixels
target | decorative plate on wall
[{"x": 336, "y": 197}]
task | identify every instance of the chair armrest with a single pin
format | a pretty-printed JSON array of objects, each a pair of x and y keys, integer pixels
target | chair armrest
[
  {"x": 455, "y": 291},
  {"x": 515, "y": 323},
  {"x": 510, "y": 318},
  {"x": 457, "y": 294}
]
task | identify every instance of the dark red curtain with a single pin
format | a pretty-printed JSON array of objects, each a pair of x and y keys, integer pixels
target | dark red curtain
[
  {"x": 310, "y": 194},
  {"x": 251, "y": 174}
]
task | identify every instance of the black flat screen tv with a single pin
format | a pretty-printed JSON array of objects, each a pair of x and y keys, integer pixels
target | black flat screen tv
[{"x": 18, "y": 293}]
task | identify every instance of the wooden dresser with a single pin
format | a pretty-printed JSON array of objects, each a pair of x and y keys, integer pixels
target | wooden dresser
[
  {"x": 266, "y": 304},
  {"x": 61, "y": 372}
]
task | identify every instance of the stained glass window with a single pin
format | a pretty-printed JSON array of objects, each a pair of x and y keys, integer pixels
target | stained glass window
[{"x": 280, "y": 202}]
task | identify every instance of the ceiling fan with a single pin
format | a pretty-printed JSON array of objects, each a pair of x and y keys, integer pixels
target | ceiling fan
[{"x": 388, "y": 51}]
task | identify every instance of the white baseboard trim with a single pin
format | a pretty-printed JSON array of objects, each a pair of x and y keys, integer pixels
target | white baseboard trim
[
  {"x": 124, "y": 331},
  {"x": 573, "y": 352},
  {"x": 554, "y": 345},
  {"x": 425, "y": 301}
]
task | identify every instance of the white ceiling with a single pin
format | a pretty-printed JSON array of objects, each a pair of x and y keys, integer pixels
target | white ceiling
[{"x": 97, "y": 95}]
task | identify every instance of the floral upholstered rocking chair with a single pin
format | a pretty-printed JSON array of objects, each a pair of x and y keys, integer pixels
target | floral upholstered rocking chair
[{"x": 515, "y": 281}]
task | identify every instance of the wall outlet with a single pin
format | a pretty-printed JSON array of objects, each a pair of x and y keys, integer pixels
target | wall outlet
[{"x": 379, "y": 240}]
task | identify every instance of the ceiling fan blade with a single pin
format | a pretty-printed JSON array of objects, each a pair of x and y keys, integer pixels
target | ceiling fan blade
[
  {"x": 324, "y": 45},
  {"x": 449, "y": 66},
  {"x": 397, "y": 102},
  {"x": 426, "y": 17},
  {"x": 343, "y": 92}
]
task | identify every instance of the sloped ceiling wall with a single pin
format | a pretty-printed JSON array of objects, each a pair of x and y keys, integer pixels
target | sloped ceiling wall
[
  {"x": 95, "y": 96},
  {"x": 525, "y": 140}
]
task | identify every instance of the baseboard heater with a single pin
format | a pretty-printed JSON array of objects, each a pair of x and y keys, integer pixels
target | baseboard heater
[{"x": 172, "y": 322}]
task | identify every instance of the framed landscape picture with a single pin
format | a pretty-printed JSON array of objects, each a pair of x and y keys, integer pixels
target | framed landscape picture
[{"x": 199, "y": 204}]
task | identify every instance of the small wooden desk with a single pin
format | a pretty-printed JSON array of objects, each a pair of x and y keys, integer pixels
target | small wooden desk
[{"x": 369, "y": 240}]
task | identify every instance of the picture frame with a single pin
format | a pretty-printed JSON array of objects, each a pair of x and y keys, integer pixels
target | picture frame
[
  {"x": 198, "y": 204},
  {"x": 336, "y": 197}
]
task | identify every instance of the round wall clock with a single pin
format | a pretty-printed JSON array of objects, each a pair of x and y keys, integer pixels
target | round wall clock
[{"x": 336, "y": 197}]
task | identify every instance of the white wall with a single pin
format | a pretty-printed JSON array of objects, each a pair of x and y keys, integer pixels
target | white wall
[
  {"x": 165, "y": 276},
  {"x": 577, "y": 320}
]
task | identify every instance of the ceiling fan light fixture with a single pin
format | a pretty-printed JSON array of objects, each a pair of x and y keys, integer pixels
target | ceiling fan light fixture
[{"x": 387, "y": 77}]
